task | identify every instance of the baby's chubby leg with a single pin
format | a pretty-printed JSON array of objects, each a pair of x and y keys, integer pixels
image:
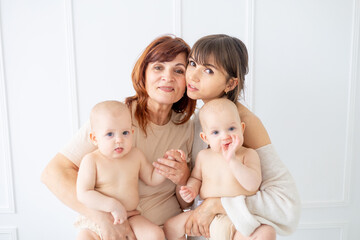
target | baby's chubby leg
[
  {"x": 86, "y": 234},
  {"x": 144, "y": 229},
  {"x": 263, "y": 232},
  {"x": 174, "y": 228}
]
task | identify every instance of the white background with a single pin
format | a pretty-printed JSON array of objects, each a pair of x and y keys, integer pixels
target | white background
[{"x": 60, "y": 57}]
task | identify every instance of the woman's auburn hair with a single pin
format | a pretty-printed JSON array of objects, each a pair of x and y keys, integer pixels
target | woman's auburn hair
[{"x": 162, "y": 49}]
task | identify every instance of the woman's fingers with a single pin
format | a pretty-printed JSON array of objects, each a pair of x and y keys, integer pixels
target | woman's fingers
[
  {"x": 191, "y": 228},
  {"x": 169, "y": 163},
  {"x": 173, "y": 166},
  {"x": 178, "y": 155}
]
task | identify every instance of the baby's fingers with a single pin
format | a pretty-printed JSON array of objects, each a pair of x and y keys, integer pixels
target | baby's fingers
[{"x": 235, "y": 140}]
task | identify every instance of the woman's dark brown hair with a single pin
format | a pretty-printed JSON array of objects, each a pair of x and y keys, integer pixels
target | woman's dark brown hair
[
  {"x": 162, "y": 49},
  {"x": 230, "y": 53}
]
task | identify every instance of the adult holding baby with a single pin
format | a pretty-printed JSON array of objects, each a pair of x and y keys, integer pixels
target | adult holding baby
[
  {"x": 216, "y": 69},
  {"x": 160, "y": 113}
]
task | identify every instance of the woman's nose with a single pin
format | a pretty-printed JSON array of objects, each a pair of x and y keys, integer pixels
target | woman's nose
[
  {"x": 193, "y": 76},
  {"x": 168, "y": 76}
]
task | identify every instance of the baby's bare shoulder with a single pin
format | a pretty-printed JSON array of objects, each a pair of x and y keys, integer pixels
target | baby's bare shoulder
[
  {"x": 136, "y": 154},
  {"x": 91, "y": 157}
]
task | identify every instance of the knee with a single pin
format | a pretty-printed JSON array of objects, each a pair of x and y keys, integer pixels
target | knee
[
  {"x": 156, "y": 234},
  {"x": 169, "y": 227},
  {"x": 86, "y": 234},
  {"x": 270, "y": 233},
  {"x": 266, "y": 232}
]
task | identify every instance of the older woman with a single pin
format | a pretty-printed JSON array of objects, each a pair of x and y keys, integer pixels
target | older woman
[{"x": 160, "y": 111}]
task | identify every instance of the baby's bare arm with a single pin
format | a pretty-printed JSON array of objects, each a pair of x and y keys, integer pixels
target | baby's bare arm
[
  {"x": 91, "y": 198},
  {"x": 248, "y": 171},
  {"x": 148, "y": 173},
  {"x": 192, "y": 188},
  {"x": 196, "y": 175}
]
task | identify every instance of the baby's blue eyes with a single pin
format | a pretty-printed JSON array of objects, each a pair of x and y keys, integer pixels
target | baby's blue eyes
[
  {"x": 125, "y": 133},
  {"x": 110, "y": 134},
  {"x": 216, "y": 132}
]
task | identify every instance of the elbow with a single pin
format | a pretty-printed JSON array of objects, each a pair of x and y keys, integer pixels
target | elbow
[
  {"x": 80, "y": 197},
  {"x": 46, "y": 174},
  {"x": 253, "y": 186}
]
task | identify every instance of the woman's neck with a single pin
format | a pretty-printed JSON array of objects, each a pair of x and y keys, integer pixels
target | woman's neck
[{"x": 160, "y": 114}]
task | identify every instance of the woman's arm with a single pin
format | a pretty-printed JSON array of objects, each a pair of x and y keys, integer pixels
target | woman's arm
[{"x": 60, "y": 177}]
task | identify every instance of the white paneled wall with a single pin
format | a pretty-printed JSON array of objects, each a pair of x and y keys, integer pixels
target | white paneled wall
[{"x": 58, "y": 58}]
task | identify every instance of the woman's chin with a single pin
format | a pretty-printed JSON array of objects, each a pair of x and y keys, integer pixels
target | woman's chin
[{"x": 192, "y": 95}]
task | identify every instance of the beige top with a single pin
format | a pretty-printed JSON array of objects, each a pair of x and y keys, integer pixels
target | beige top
[{"x": 157, "y": 203}]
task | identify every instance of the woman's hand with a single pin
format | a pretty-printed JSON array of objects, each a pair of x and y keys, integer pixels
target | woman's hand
[
  {"x": 173, "y": 166},
  {"x": 199, "y": 221},
  {"x": 109, "y": 230}
]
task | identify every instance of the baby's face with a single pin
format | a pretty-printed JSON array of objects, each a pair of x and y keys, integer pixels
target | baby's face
[
  {"x": 219, "y": 126},
  {"x": 113, "y": 134}
]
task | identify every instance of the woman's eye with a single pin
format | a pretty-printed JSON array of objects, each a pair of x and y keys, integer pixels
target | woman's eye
[
  {"x": 110, "y": 134},
  {"x": 156, "y": 67},
  {"x": 125, "y": 133},
  {"x": 179, "y": 71},
  {"x": 192, "y": 63},
  {"x": 209, "y": 71}
]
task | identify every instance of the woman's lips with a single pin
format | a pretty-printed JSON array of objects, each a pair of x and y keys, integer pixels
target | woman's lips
[
  {"x": 191, "y": 87},
  {"x": 166, "y": 89}
]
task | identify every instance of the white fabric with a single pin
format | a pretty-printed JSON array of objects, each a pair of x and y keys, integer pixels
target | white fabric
[{"x": 277, "y": 203}]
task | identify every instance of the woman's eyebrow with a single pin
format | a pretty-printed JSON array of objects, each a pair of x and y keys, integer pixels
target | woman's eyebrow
[
  {"x": 210, "y": 65},
  {"x": 204, "y": 64}
]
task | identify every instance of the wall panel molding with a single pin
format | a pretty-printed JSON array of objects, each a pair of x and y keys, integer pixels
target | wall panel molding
[
  {"x": 71, "y": 66},
  {"x": 5, "y": 136},
  {"x": 177, "y": 26},
  {"x": 342, "y": 226},
  {"x": 349, "y": 141},
  {"x": 9, "y": 231}
]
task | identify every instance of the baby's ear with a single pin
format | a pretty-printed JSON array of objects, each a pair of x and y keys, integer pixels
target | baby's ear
[
  {"x": 243, "y": 126},
  {"x": 93, "y": 138},
  {"x": 204, "y": 138}
]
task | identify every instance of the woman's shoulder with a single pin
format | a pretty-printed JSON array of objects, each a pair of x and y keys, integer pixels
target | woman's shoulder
[{"x": 255, "y": 134}]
